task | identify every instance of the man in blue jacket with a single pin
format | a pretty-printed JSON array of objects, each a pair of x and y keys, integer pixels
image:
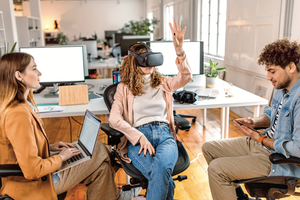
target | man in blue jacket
[{"x": 248, "y": 157}]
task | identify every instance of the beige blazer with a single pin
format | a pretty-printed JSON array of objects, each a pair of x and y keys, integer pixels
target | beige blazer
[
  {"x": 23, "y": 141},
  {"x": 121, "y": 114}
]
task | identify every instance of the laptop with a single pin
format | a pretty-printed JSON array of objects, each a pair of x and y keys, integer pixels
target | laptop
[{"x": 86, "y": 142}]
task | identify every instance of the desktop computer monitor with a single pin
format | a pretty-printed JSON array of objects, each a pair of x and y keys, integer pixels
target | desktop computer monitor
[
  {"x": 127, "y": 41},
  {"x": 119, "y": 36},
  {"x": 109, "y": 36},
  {"x": 58, "y": 64},
  {"x": 91, "y": 46},
  {"x": 193, "y": 51}
]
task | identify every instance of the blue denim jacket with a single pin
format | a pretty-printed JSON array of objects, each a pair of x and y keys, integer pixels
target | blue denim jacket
[{"x": 287, "y": 132}]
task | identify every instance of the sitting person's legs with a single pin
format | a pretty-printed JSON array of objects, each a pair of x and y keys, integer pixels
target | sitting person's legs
[
  {"x": 234, "y": 159},
  {"x": 97, "y": 174},
  {"x": 157, "y": 169}
]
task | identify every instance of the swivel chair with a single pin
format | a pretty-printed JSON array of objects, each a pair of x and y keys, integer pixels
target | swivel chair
[
  {"x": 138, "y": 179},
  {"x": 14, "y": 170}
]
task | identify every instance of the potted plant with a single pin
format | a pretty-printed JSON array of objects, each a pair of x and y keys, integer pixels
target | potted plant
[
  {"x": 6, "y": 48},
  {"x": 105, "y": 43},
  {"x": 142, "y": 27},
  {"x": 61, "y": 38},
  {"x": 212, "y": 73}
]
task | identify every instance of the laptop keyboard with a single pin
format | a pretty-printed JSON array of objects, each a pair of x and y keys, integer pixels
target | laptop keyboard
[{"x": 75, "y": 158}]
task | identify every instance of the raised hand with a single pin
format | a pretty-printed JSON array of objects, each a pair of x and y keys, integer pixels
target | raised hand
[{"x": 177, "y": 36}]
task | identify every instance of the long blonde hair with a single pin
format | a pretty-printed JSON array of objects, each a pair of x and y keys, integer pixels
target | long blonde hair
[
  {"x": 131, "y": 74},
  {"x": 12, "y": 90}
]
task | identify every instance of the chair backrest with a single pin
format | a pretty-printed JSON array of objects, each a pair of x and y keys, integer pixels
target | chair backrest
[
  {"x": 115, "y": 51},
  {"x": 109, "y": 94}
]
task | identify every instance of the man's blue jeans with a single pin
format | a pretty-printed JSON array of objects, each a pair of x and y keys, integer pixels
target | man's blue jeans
[{"x": 158, "y": 168}]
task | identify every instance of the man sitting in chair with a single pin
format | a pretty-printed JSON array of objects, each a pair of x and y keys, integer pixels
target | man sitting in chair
[{"x": 248, "y": 157}]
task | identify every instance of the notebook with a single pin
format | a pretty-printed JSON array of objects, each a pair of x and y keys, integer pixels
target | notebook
[{"x": 86, "y": 142}]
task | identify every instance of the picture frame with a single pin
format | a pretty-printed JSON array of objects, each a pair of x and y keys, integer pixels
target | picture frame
[{"x": 263, "y": 88}]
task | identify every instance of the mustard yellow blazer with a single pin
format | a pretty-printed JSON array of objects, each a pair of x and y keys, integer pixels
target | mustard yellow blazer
[{"x": 23, "y": 141}]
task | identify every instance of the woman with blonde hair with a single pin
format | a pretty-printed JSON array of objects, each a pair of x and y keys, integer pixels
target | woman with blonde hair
[
  {"x": 143, "y": 112},
  {"x": 23, "y": 141}
]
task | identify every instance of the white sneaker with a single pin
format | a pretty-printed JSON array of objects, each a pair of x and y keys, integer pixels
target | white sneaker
[{"x": 129, "y": 194}]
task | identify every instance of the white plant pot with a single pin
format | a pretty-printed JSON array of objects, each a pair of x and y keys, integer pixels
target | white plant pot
[{"x": 211, "y": 82}]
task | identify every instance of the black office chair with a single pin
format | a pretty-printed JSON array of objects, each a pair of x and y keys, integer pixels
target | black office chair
[
  {"x": 14, "y": 170},
  {"x": 137, "y": 180},
  {"x": 116, "y": 51},
  {"x": 273, "y": 187}
]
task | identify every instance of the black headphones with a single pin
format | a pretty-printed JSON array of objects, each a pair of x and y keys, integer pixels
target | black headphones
[{"x": 147, "y": 59}]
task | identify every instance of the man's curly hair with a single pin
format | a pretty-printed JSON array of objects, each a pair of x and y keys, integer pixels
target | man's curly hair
[
  {"x": 131, "y": 74},
  {"x": 280, "y": 53}
]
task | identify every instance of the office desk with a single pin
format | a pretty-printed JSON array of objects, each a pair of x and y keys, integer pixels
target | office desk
[
  {"x": 103, "y": 65},
  {"x": 241, "y": 98}
]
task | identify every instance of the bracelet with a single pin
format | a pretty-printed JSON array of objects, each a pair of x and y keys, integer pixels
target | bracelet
[
  {"x": 181, "y": 54},
  {"x": 261, "y": 138}
]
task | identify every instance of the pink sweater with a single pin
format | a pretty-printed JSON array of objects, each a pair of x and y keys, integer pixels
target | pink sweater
[{"x": 121, "y": 114}]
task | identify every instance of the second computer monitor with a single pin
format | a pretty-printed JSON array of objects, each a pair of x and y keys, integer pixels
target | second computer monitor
[
  {"x": 193, "y": 51},
  {"x": 127, "y": 41},
  {"x": 91, "y": 46}
]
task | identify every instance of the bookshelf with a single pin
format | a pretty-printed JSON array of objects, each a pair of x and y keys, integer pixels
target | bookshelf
[
  {"x": 29, "y": 31},
  {"x": 2, "y": 34}
]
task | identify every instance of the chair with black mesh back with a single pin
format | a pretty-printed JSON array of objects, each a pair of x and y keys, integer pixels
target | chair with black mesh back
[
  {"x": 14, "y": 170},
  {"x": 137, "y": 180},
  {"x": 273, "y": 187}
]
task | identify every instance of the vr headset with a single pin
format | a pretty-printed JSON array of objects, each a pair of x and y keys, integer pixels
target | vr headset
[{"x": 147, "y": 59}]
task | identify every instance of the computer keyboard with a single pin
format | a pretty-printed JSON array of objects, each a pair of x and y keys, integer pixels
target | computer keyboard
[{"x": 75, "y": 158}]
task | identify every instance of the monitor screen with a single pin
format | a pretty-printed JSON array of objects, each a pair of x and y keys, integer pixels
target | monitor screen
[
  {"x": 58, "y": 64},
  {"x": 91, "y": 46},
  {"x": 119, "y": 36},
  {"x": 193, "y": 51},
  {"x": 127, "y": 41}
]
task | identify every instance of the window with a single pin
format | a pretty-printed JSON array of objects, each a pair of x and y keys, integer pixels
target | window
[
  {"x": 212, "y": 31},
  {"x": 169, "y": 17},
  {"x": 150, "y": 17}
]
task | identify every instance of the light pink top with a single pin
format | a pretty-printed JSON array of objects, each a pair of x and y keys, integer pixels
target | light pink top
[{"x": 121, "y": 114}]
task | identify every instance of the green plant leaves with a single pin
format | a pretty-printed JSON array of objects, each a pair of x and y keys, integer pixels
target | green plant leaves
[
  {"x": 213, "y": 70},
  {"x": 142, "y": 27}
]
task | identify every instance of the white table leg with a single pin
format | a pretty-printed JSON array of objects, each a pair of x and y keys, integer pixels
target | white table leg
[
  {"x": 222, "y": 122},
  {"x": 256, "y": 111},
  {"x": 127, "y": 179},
  {"x": 226, "y": 122},
  {"x": 204, "y": 116}
]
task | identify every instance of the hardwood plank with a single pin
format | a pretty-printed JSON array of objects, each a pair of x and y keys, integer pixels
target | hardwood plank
[{"x": 196, "y": 187}]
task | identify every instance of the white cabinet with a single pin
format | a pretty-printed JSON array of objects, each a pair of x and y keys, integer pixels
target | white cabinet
[
  {"x": 29, "y": 31},
  {"x": 2, "y": 34}
]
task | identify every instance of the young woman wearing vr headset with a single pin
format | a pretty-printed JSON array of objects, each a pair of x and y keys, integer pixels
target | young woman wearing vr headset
[{"x": 143, "y": 112}]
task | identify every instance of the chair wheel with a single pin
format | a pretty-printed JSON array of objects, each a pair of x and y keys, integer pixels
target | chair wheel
[{"x": 194, "y": 120}]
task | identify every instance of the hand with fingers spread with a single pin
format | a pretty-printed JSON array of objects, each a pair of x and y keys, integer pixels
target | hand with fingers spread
[
  {"x": 67, "y": 153},
  {"x": 146, "y": 145},
  {"x": 177, "y": 36}
]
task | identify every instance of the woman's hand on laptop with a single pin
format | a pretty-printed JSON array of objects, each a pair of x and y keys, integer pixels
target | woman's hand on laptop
[
  {"x": 67, "y": 153},
  {"x": 60, "y": 146}
]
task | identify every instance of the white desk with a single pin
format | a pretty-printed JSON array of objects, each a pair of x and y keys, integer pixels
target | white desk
[
  {"x": 241, "y": 98},
  {"x": 103, "y": 65}
]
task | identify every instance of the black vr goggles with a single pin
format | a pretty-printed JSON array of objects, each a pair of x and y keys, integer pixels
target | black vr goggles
[{"x": 147, "y": 59}]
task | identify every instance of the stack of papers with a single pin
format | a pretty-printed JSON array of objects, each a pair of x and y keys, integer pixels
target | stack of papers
[
  {"x": 207, "y": 93},
  {"x": 45, "y": 109}
]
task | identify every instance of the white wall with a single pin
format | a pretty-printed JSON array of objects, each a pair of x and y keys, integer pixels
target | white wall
[{"x": 86, "y": 17}]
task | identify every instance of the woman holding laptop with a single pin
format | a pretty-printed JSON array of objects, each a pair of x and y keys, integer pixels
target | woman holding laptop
[{"x": 23, "y": 141}]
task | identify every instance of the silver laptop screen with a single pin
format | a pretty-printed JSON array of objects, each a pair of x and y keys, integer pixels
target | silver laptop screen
[{"x": 89, "y": 131}]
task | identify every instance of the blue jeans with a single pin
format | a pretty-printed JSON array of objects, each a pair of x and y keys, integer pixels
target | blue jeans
[{"x": 157, "y": 169}]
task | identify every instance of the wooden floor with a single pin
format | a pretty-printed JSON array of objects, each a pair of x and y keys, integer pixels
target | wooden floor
[{"x": 195, "y": 187}]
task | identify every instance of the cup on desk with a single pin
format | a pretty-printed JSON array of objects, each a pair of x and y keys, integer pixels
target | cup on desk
[{"x": 228, "y": 89}]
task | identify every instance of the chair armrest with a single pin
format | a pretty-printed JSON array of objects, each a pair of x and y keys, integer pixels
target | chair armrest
[
  {"x": 277, "y": 158},
  {"x": 182, "y": 123},
  {"x": 110, "y": 131},
  {"x": 10, "y": 170}
]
